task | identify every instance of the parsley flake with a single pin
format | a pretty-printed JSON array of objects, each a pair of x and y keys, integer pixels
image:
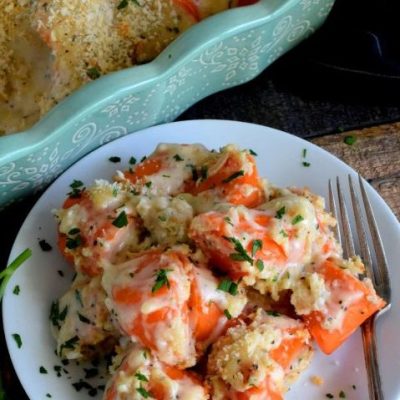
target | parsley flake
[
  {"x": 342, "y": 394},
  {"x": 306, "y": 164},
  {"x": 16, "y": 290},
  {"x": 43, "y": 370},
  {"x": 17, "y": 339},
  {"x": 273, "y": 313},
  {"x": 280, "y": 213},
  {"x": 177, "y": 157},
  {"x": 241, "y": 253},
  {"x": 329, "y": 395},
  {"x": 148, "y": 184},
  {"x": 141, "y": 377},
  {"x": 161, "y": 280},
  {"x": 44, "y": 245},
  {"x": 227, "y": 314},
  {"x": 256, "y": 246},
  {"x": 253, "y": 153},
  {"x": 260, "y": 265},
  {"x": 115, "y": 159},
  {"x": 304, "y": 153},
  {"x": 132, "y": 161},
  {"x": 143, "y": 392},
  {"x": 93, "y": 73},
  {"x": 73, "y": 243},
  {"x": 228, "y": 220},
  {"x": 83, "y": 319},
  {"x": 233, "y": 176},
  {"x": 350, "y": 140},
  {"x": 121, "y": 220},
  {"x": 226, "y": 285},
  {"x": 77, "y": 189},
  {"x": 298, "y": 218}
]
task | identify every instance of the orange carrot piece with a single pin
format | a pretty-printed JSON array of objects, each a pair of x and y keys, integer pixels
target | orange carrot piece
[{"x": 356, "y": 313}]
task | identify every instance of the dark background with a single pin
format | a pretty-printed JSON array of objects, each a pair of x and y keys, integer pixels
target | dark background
[{"x": 345, "y": 76}]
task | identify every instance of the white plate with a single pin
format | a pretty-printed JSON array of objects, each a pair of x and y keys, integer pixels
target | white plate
[{"x": 279, "y": 159}]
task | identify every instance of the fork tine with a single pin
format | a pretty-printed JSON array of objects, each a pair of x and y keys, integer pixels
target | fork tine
[
  {"x": 348, "y": 242},
  {"x": 383, "y": 276},
  {"x": 334, "y": 211},
  {"x": 362, "y": 237}
]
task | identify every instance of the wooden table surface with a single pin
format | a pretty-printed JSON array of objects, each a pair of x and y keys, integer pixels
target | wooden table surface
[{"x": 375, "y": 155}]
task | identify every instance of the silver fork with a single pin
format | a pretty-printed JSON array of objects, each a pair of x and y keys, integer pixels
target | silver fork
[{"x": 376, "y": 271}]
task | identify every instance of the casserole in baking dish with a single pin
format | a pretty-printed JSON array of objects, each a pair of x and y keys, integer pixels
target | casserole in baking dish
[{"x": 223, "y": 51}]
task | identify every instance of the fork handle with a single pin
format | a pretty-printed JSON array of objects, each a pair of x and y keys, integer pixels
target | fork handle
[{"x": 371, "y": 359}]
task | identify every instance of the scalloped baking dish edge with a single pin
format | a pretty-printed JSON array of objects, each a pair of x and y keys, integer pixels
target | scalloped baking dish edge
[{"x": 222, "y": 51}]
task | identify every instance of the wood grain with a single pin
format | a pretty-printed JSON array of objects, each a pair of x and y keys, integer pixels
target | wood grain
[{"x": 375, "y": 155}]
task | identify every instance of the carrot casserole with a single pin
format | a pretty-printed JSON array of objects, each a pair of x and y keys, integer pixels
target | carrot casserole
[
  {"x": 204, "y": 280},
  {"x": 49, "y": 48}
]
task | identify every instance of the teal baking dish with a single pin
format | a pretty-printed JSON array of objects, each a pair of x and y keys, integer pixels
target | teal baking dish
[{"x": 225, "y": 50}]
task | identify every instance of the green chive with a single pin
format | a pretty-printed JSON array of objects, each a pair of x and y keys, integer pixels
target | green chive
[
  {"x": 6, "y": 274},
  {"x": 226, "y": 285},
  {"x": 143, "y": 392}
]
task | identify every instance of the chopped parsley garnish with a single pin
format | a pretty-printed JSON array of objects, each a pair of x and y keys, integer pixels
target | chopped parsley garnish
[
  {"x": 342, "y": 394},
  {"x": 44, "y": 245},
  {"x": 280, "y": 213},
  {"x": 124, "y": 4},
  {"x": 57, "y": 316},
  {"x": 233, "y": 176},
  {"x": 273, "y": 313},
  {"x": 304, "y": 153},
  {"x": 329, "y": 395},
  {"x": 204, "y": 172},
  {"x": 69, "y": 344},
  {"x": 298, "y": 218},
  {"x": 115, "y": 159},
  {"x": 162, "y": 218},
  {"x": 253, "y": 153},
  {"x": 74, "y": 231},
  {"x": 227, "y": 314},
  {"x": 132, "y": 161},
  {"x": 141, "y": 377},
  {"x": 83, "y": 319},
  {"x": 90, "y": 372},
  {"x": 148, "y": 184},
  {"x": 142, "y": 391},
  {"x": 73, "y": 242},
  {"x": 354, "y": 387},
  {"x": 350, "y": 140},
  {"x": 228, "y": 286},
  {"x": 260, "y": 265},
  {"x": 16, "y": 290},
  {"x": 61, "y": 273},
  {"x": 17, "y": 339},
  {"x": 121, "y": 220},
  {"x": 77, "y": 189},
  {"x": 161, "y": 280},
  {"x": 228, "y": 220},
  {"x": 177, "y": 157},
  {"x": 43, "y": 370},
  {"x": 257, "y": 245},
  {"x": 78, "y": 297},
  {"x": 48, "y": 395},
  {"x": 195, "y": 174},
  {"x": 93, "y": 73},
  {"x": 92, "y": 391},
  {"x": 143, "y": 158},
  {"x": 283, "y": 233},
  {"x": 6, "y": 274},
  {"x": 306, "y": 164},
  {"x": 241, "y": 253}
]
